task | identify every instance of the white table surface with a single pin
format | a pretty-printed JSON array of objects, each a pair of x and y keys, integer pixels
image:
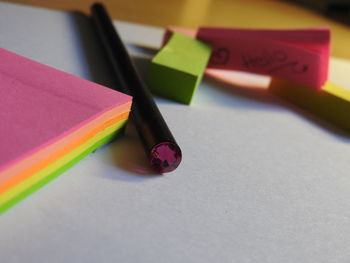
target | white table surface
[{"x": 261, "y": 180}]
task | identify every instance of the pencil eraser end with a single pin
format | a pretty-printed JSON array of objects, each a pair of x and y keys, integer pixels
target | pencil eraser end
[{"x": 177, "y": 69}]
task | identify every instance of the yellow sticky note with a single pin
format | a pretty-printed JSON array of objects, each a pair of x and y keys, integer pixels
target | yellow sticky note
[{"x": 331, "y": 102}]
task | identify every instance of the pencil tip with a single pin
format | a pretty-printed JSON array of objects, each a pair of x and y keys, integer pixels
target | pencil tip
[{"x": 165, "y": 157}]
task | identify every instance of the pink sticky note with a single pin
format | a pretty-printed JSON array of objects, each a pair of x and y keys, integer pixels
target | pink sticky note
[
  {"x": 40, "y": 105},
  {"x": 297, "y": 55}
]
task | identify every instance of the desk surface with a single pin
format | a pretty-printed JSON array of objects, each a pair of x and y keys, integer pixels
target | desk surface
[
  {"x": 261, "y": 180},
  {"x": 193, "y": 13}
]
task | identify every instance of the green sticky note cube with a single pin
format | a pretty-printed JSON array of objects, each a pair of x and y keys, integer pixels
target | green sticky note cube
[{"x": 177, "y": 69}]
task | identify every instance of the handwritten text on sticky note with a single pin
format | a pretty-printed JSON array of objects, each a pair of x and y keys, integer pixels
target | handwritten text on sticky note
[{"x": 298, "y": 55}]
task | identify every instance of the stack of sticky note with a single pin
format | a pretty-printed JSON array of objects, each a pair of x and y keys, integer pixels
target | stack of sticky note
[
  {"x": 177, "y": 70},
  {"x": 49, "y": 120}
]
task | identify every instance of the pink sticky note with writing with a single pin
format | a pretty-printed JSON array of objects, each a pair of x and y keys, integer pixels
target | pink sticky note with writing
[
  {"x": 40, "y": 105},
  {"x": 231, "y": 77},
  {"x": 297, "y": 55}
]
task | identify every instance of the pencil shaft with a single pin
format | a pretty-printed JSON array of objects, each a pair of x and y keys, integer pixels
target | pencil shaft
[{"x": 147, "y": 118}]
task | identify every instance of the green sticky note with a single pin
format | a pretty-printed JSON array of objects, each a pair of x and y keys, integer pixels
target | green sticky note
[{"x": 177, "y": 69}]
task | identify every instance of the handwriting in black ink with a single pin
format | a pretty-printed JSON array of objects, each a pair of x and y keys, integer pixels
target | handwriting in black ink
[
  {"x": 220, "y": 56},
  {"x": 294, "y": 66},
  {"x": 272, "y": 61}
]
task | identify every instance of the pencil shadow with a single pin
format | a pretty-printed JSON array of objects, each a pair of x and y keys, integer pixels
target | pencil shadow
[
  {"x": 93, "y": 57},
  {"x": 142, "y": 65},
  {"x": 128, "y": 153}
]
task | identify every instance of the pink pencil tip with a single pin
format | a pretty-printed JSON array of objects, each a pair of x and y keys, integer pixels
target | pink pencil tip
[{"x": 165, "y": 157}]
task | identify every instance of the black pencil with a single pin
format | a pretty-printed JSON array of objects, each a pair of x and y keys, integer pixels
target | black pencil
[{"x": 162, "y": 150}]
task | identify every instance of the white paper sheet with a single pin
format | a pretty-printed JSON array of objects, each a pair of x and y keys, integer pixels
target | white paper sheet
[{"x": 261, "y": 180}]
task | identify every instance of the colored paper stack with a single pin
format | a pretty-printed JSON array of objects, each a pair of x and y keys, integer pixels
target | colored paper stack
[{"x": 49, "y": 121}]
